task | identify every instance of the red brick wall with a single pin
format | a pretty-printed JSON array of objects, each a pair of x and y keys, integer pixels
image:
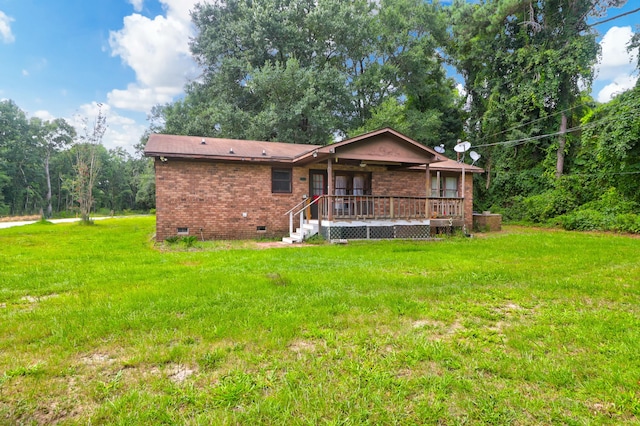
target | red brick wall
[
  {"x": 399, "y": 183},
  {"x": 413, "y": 184},
  {"x": 210, "y": 199}
]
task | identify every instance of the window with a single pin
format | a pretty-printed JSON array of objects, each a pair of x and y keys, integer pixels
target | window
[
  {"x": 281, "y": 180},
  {"x": 447, "y": 186},
  {"x": 183, "y": 231},
  {"x": 450, "y": 186},
  {"x": 352, "y": 183},
  {"x": 341, "y": 185}
]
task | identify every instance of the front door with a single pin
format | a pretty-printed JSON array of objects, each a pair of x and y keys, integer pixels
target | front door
[{"x": 317, "y": 188}]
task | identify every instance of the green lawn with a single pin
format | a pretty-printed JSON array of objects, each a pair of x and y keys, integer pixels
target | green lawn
[{"x": 527, "y": 326}]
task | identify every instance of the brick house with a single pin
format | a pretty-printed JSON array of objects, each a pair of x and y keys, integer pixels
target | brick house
[{"x": 378, "y": 185}]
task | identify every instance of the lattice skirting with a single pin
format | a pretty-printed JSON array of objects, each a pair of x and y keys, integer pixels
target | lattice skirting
[{"x": 383, "y": 232}]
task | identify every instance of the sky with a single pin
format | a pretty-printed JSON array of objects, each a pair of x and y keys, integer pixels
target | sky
[{"x": 67, "y": 58}]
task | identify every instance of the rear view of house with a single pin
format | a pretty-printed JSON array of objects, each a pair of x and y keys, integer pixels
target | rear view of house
[{"x": 378, "y": 185}]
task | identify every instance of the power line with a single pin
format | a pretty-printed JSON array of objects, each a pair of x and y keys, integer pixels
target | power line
[
  {"x": 516, "y": 142},
  {"x": 614, "y": 17},
  {"x": 532, "y": 121}
]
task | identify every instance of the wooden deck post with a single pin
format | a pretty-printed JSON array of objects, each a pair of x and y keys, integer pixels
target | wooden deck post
[
  {"x": 464, "y": 201},
  {"x": 427, "y": 210},
  {"x": 330, "y": 188}
]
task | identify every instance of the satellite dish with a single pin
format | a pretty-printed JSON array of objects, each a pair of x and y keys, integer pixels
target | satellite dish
[
  {"x": 462, "y": 147},
  {"x": 439, "y": 149},
  {"x": 474, "y": 156}
]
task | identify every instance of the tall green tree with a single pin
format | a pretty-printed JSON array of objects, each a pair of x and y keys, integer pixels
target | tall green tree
[
  {"x": 305, "y": 71},
  {"x": 611, "y": 144},
  {"x": 524, "y": 63},
  {"x": 18, "y": 154},
  {"x": 51, "y": 136}
]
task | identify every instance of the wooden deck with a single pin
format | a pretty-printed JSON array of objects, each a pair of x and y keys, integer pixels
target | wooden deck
[{"x": 363, "y": 207}]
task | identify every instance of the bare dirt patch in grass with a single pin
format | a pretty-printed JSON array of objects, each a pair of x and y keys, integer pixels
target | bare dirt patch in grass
[
  {"x": 439, "y": 329},
  {"x": 179, "y": 373},
  {"x": 273, "y": 244},
  {"x": 300, "y": 346},
  {"x": 36, "y": 299},
  {"x": 426, "y": 322},
  {"x": 97, "y": 359},
  {"x": 28, "y": 303}
]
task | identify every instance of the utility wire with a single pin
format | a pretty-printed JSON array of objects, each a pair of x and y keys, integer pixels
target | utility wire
[
  {"x": 532, "y": 121},
  {"x": 515, "y": 142},
  {"x": 518, "y": 142},
  {"x": 614, "y": 17}
]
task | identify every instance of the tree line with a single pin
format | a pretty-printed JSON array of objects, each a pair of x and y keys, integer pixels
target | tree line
[
  {"x": 48, "y": 168},
  {"x": 315, "y": 71}
]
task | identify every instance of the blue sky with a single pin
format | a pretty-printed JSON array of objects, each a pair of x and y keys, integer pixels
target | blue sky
[{"x": 61, "y": 58}]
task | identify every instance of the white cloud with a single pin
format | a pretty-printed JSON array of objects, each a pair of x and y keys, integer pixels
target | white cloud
[
  {"x": 617, "y": 66},
  {"x": 137, "y": 5},
  {"x": 5, "y": 28},
  {"x": 158, "y": 51},
  {"x": 137, "y": 96},
  {"x": 44, "y": 115},
  {"x": 25, "y": 73},
  {"x": 121, "y": 131},
  {"x": 619, "y": 85}
]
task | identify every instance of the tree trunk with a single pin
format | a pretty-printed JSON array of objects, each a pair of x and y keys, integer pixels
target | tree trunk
[
  {"x": 47, "y": 175},
  {"x": 561, "y": 145}
]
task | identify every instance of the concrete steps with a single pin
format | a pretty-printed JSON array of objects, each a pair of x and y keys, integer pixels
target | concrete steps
[{"x": 307, "y": 230}]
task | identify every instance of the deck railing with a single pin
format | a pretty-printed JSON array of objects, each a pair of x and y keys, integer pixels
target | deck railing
[
  {"x": 353, "y": 207},
  {"x": 446, "y": 207},
  {"x": 363, "y": 207}
]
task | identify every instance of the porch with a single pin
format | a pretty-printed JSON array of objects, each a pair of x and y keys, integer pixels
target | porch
[{"x": 374, "y": 217}]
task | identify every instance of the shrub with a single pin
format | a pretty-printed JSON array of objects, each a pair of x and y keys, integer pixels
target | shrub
[
  {"x": 172, "y": 240},
  {"x": 541, "y": 207},
  {"x": 626, "y": 222},
  {"x": 189, "y": 241},
  {"x": 612, "y": 202},
  {"x": 583, "y": 220}
]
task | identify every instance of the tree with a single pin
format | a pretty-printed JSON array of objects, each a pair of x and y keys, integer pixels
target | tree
[
  {"x": 611, "y": 144},
  {"x": 18, "y": 177},
  {"x": 306, "y": 71},
  {"x": 419, "y": 100},
  {"x": 524, "y": 64},
  {"x": 51, "y": 136},
  {"x": 87, "y": 165}
]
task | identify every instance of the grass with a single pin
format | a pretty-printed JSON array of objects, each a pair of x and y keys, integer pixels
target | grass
[{"x": 526, "y": 326}]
